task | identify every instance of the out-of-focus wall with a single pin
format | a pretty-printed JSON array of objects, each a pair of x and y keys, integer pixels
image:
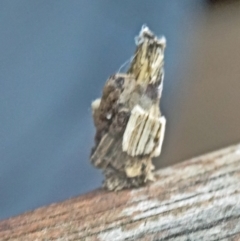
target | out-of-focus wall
[{"x": 206, "y": 114}]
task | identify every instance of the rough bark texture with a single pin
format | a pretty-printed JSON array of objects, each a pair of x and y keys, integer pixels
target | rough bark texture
[
  {"x": 195, "y": 200},
  {"x": 128, "y": 122}
]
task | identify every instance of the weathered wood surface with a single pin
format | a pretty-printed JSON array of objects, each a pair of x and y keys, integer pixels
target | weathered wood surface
[{"x": 195, "y": 200}]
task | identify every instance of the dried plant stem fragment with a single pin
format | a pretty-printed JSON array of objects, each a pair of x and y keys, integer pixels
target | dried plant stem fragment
[
  {"x": 142, "y": 133},
  {"x": 129, "y": 125}
]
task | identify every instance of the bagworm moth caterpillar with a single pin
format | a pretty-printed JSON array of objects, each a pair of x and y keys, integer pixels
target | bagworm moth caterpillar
[{"x": 129, "y": 125}]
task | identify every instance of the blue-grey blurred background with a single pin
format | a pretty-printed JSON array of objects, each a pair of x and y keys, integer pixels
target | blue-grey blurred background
[{"x": 55, "y": 57}]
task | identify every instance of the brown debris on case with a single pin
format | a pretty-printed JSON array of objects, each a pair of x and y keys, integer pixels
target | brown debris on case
[{"x": 129, "y": 125}]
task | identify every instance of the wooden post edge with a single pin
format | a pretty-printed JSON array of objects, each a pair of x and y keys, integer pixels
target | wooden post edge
[{"x": 198, "y": 199}]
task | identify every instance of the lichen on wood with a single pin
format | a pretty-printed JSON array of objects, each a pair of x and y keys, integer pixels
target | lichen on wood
[{"x": 129, "y": 125}]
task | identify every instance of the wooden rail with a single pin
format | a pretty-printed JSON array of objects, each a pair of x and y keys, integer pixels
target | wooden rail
[{"x": 197, "y": 199}]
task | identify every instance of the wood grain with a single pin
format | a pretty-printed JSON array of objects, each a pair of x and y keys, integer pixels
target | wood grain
[{"x": 198, "y": 199}]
